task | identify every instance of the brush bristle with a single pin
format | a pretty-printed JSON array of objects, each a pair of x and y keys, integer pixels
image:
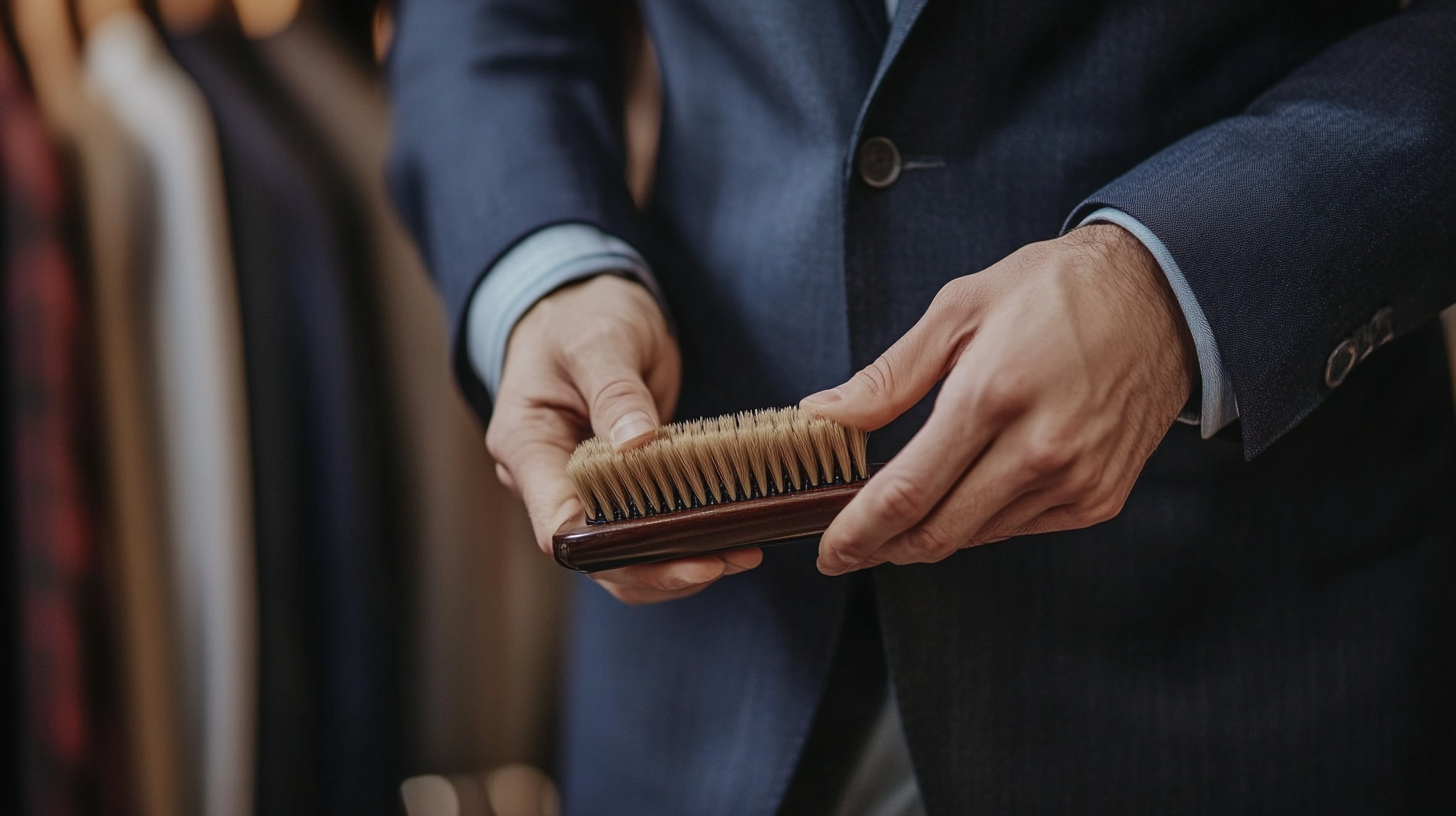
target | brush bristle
[{"x": 711, "y": 461}]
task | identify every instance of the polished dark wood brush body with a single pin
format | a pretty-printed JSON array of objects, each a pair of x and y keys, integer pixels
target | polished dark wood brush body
[{"x": 709, "y": 486}]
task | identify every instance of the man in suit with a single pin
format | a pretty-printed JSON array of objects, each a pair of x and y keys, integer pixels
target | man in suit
[{"x": 1040, "y": 232}]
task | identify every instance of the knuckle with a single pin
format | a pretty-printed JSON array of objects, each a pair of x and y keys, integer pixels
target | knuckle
[
  {"x": 930, "y": 543},
  {"x": 962, "y": 296},
  {"x": 878, "y": 378},
  {"x": 662, "y": 585},
  {"x": 503, "y": 475},
  {"x": 495, "y": 442},
  {"x": 952, "y": 297},
  {"x": 900, "y": 499},
  {"x": 1109, "y": 508},
  {"x": 642, "y": 584},
  {"x": 1099, "y": 509},
  {"x": 620, "y": 392},
  {"x": 1046, "y": 454},
  {"x": 999, "y": 532},
  {"x": 587, "y": 341},
  {"x": 1002, "y": 397},
  {"x": 1084, "y": 478}
]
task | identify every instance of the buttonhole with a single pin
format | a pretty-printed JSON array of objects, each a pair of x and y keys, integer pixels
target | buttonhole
[{"x": 922, "y": 163}]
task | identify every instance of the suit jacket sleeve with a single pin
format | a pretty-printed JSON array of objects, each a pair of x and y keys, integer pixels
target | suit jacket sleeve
[
  {"x": 507, "y": 120},
  {"x": 1331, "y": 198}
]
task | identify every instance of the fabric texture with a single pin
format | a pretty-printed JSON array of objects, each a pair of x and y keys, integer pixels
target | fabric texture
[
  {"x": 1241, "y": 617},
  {"x": 195, "y": 343}
]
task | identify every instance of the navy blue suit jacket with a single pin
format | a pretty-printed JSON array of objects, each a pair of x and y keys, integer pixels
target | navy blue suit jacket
[{"x": 1265, "y": 627}]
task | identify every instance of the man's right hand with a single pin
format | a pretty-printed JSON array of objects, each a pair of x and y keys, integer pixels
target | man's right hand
[{"x": 592, "y": 358}]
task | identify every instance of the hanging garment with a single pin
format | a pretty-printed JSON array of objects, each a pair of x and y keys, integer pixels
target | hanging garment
[
  {"x": 197, "y": 351},
  {"x": 10, "y": 723},
  {"x": 299, "y": 261},
  {"x": 487, "y": 628},
  {"x": 266, "y": 222},
  {"x": 54, "y": 524},
  {"x": 119, "y": 213},
  {"x": 136, "y": 722}
]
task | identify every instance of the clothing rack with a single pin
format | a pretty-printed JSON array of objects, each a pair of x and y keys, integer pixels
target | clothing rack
[{"x": 260, "y": 561}]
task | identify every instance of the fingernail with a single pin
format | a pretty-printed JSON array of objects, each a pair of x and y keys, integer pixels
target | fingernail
[
  {"x": 632, "y": 427},
  {"x": 829, "y": 397}
]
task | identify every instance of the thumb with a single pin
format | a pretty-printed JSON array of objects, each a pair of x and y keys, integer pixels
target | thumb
[
  {"x": 622, "y": 406},
  {"x": 892, "y": 384}
]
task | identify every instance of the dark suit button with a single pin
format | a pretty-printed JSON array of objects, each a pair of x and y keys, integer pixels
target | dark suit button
[
  {"x": 879, "y": 162},
  {"x": 1342, "y": 359}
]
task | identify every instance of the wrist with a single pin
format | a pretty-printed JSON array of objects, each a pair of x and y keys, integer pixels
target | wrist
[
  {"x": 610, "y": 290},
  {"x": 1117, "y": 252}
]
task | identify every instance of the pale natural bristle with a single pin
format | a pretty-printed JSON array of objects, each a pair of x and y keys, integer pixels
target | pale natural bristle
[{"x": 711, "y": 461}]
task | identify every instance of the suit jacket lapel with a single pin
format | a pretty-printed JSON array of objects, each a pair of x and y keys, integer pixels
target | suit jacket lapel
[{"x": 905, "y": 18}]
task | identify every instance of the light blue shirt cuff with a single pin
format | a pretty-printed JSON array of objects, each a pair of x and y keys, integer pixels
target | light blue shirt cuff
[
  {"x": 544, "y": 262},
  {"x": 1219, "y": 404}
]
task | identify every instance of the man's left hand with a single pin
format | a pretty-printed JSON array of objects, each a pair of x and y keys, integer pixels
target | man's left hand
[{"x": 1064, "y": 366}]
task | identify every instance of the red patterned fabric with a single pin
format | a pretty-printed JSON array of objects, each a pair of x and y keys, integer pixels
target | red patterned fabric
[{"x": 55, "y": 530}]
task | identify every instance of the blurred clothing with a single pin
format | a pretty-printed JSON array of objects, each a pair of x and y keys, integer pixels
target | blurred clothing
[
  {"x": 196, "y": 344},
  {"x": 56, "y": 546},
  {"x": 292, "y": 573},
  {"x": 119, "y": 212},
  {"x": 302, "y": 243},
  {"x": 486, "y": 626},
  {"x": 272, "y": 210}
]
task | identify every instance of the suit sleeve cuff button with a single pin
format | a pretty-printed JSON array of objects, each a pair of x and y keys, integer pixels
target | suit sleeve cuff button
[{"x": 1341, "y": 361}]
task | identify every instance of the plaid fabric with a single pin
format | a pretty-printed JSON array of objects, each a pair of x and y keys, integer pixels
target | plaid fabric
[{"x": 55, "y": 532}]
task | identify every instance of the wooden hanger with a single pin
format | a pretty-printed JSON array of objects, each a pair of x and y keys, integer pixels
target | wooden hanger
[
  {"x": 48, "y": 46},
  {"x": 91, "y": 13},
  {"x": 189, "y": 16},
  {"x": 261, "y": 19}
]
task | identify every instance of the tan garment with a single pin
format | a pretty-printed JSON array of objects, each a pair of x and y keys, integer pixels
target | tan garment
[
  {"x": 489, "y": 615},
  {"x": 117, "y": 209},
  {"x": 194, "y": 344}
]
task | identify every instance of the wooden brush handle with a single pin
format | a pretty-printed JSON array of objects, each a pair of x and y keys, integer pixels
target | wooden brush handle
[{"x": 594, "y": 547}]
